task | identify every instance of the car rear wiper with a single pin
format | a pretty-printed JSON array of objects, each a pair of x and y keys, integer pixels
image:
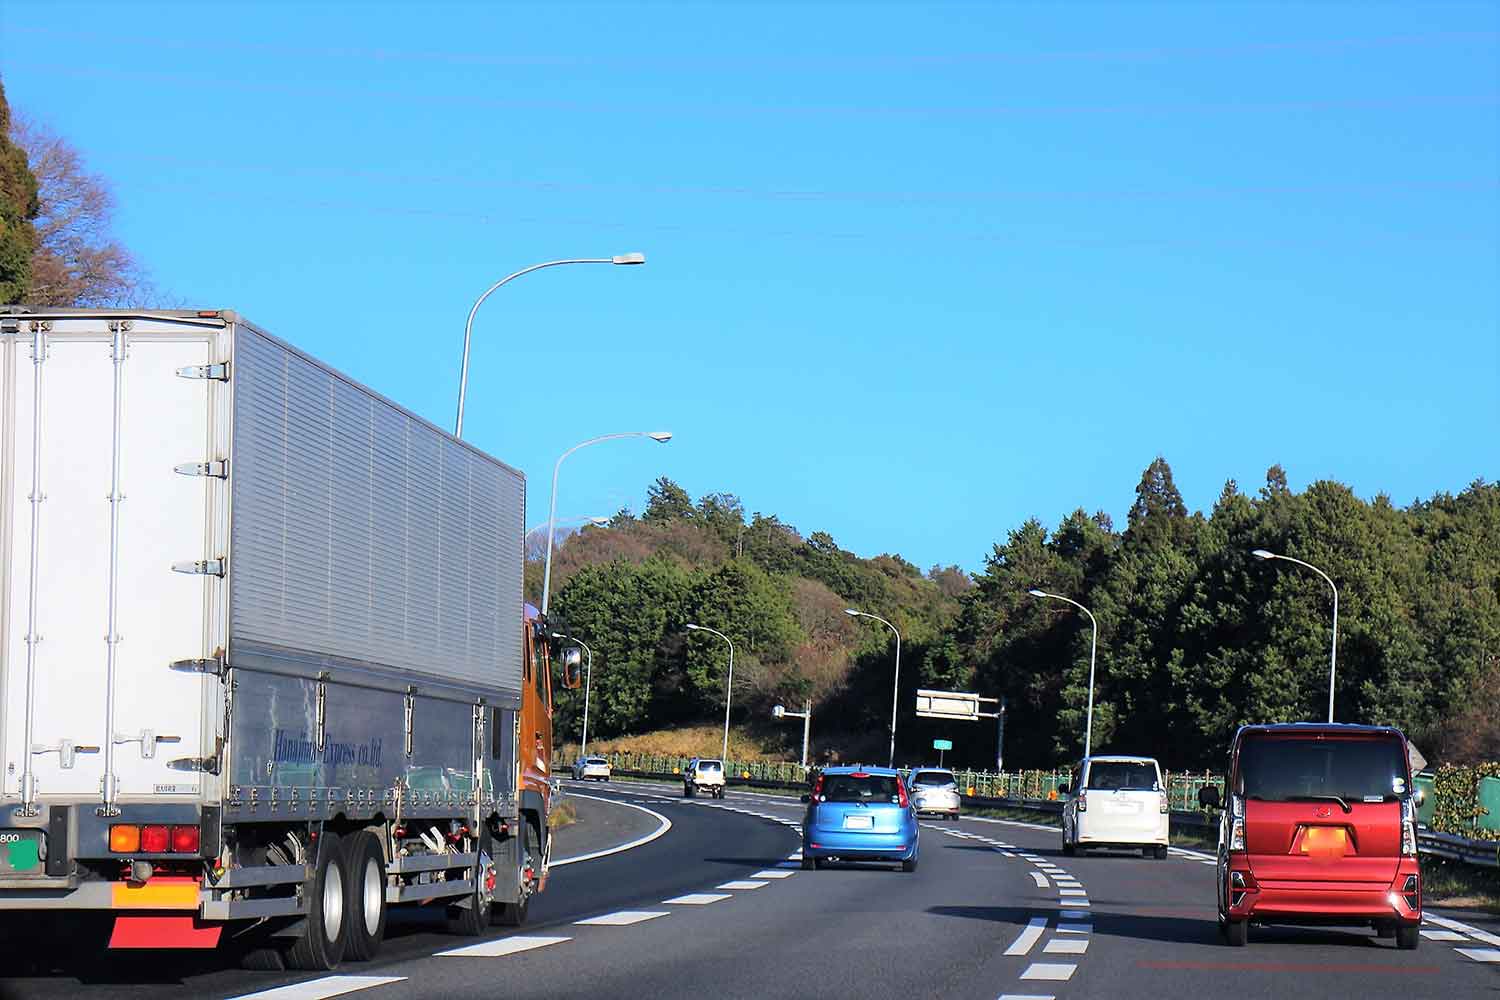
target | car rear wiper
[{"x": 1344, "y": 805}]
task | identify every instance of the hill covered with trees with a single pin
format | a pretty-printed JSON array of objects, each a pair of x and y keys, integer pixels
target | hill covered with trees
[{"x": 1195, "y": 635}]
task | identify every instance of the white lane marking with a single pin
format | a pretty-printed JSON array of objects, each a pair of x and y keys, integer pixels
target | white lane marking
[
  {"x": 1489, "y": 955},
  {"x": 1443, "y": 936},
  {"x": 666, "y": 825},
  {"x": 741, "y": 884},
  {"x": 1055, "y": 972},
  {"x": 1063, "y": 928},
  {"x": 1007, "y": 854},
  {"x": 773, "y": 874},
  {"x": 1066, "y": 880},
  {"x": 501, "y": 946},
  {"x": 1028, "y": 938},
  {"x": 1066, "y": 946},
  {"x": 789, "y": 864},
  {"x": 1072, "y": 892},
  {"x": 697, "y": 899},
  {"x": 794, "y": 856},
  {"x": 1183, "y": 852},
  {"x": 319, "y": 989},
  {"x": 1473, "y": 932},
  {"x": 621, "y": 918},
  {"x": 1039, "y": 879},
  {"x": 1026, "y": 996},
  {"x": 1076, "y": 915}
]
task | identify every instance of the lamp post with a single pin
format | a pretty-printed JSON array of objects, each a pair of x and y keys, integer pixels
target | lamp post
[
  {"x": 1088, "y": 727},
  {"x": 728, "y": 687},
  {"x": 659, "y": 436},
  {"x": 805, "y": 715},
  {"x": 896, "y": 683},
  {"x": 598, "y": 522},
  {"x": 463, "y": 374},
  {"x": 588, "y": 678},
  {"x": 1333, "y": 652}
]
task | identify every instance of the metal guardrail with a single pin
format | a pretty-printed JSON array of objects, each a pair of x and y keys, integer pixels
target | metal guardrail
[{"x": 1454, "y": 848}]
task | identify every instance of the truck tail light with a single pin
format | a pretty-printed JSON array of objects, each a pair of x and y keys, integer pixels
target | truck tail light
[
  {"x": 185, "y": 839},
  {"x": 154, "y": 840},
  {"x": 124, "y": 838}
]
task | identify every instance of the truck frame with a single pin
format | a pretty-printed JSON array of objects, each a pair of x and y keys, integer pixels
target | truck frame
[{"x": 266, "y": 666}]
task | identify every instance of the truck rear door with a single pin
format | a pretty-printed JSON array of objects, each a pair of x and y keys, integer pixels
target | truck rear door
[{"x": 87, "y": 571}]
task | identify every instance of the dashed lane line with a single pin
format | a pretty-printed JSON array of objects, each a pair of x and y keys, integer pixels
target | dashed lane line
[
  {"x": 1058, "y": 972},
  {"x": 1487, "y": 955},
  {"x": 742, "y": 884},
  {"x": 502, "y": 946},
  {"x": 768, "y": 873},
  {"x": 321, "y": 989},
  {"x": 1026, "y": 996},
  {"x": 697, "y": 899},
  {"x": 1066, "y": 946},
  {"x": 1030, "y": 935},
  {"x": 622, "y": 918},
  {"x": 1039, "y": 879}
]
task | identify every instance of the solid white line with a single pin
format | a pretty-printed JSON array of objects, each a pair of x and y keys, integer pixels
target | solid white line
[
  {"x": 697, "y": 899},
  {"x": 1039, "y": 879},
  {"x": 622, "y": 918},
  {"x": 1066, "y": 946},
  {"x": 770, "y": 874},
  {"x": 1028, "y": 938},
  {"x": 741, "y": 884},
  {"x": 666, "y": 825},
  {"x": 501, "y": 946},
  {"x": 1059, "y": 972},
  {"x": 1488, "y": 955},
  {"x": 319, "y": 989}
]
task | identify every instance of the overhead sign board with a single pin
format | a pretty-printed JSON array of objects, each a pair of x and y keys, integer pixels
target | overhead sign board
[
  {"x": 942, "y": 744},
  {"x": 947, "y": 705}
]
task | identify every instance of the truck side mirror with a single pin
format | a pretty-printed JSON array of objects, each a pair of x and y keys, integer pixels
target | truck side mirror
[
  {"x": 1208, "y": 797},
  {"x": 572, "y": 668}
]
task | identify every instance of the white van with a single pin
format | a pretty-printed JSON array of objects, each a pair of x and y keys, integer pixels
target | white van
[{"x": 1118, "y": 802}]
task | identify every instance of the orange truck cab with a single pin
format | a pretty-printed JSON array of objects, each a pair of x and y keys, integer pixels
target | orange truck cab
[{"x": 1320, "y": 828}]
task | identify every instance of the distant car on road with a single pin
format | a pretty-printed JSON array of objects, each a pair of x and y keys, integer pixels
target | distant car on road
[
  {"x": 1116, "y": 801},
  {"x": 935, "y": 790},
  {"x": 703, "y": 774},
  {"x": 597, "y": 768},
  {"x": 860, "y": 814},
  {"x": 1321, "y": 829}
]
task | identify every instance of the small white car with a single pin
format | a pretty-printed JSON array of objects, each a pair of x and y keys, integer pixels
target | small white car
[
  {"x": 703, "y": 774},
  {"x": 596, "y": 768},
  {"x": 1116, "y": 802},
  {"x": 934, "y": 790}
]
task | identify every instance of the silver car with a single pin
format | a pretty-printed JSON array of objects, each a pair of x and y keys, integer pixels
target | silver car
[{"x": 935, "y": 790}]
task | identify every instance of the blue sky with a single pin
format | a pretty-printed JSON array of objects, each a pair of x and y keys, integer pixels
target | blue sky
[{"x": 915, "y": 273}]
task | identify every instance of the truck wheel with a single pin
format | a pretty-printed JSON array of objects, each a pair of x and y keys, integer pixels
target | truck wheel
[
  {"x": 473, "y": 918},
  {"x": 321, "y": 946},
  {"x": 1408, "y": 937},
  {"x": 514, "y": 914},
  {"x": 1236, "y": 933},
  {"x": 365, "y": 905}
]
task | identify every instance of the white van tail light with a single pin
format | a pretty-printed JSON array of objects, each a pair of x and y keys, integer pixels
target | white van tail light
[{"x": 1163, "y": 808}]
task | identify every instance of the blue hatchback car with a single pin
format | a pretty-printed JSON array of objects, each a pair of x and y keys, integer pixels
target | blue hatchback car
[{"x": 860, "y": 814}]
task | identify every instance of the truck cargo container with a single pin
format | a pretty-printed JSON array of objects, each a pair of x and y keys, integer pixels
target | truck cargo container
[{"x": 266, "y": 667}]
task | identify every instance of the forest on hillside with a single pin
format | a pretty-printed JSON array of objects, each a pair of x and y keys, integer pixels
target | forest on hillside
[{"x": 1196, "y": 636}]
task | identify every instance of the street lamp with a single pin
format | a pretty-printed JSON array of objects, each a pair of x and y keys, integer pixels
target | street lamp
[
  {"x": 805, "y": 715},
  {"x": 1333, "y": 652},
  {"x": 661, "y": 437},
  {"x": 588, "y": 678},
  {"x": 896, "y": 683},
  {"x": 598, "y": 522},
  {"x": 463, "y": 375},
  {"x": 1088, "y": 727},
  {"x": 728, "y": 687}
]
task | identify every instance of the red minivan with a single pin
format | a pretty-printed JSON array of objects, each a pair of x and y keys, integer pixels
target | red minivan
[{"x": 1320, "y": 828}]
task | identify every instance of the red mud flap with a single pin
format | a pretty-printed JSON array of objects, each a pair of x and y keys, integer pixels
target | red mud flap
[{"x": 176, "y": 930}]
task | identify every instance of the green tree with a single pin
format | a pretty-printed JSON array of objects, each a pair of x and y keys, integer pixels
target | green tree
[
  {"x": 19, "y": 207},
  {"x": 666, "y": 501}
]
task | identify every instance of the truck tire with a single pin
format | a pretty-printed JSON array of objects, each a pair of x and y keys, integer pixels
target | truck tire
[
  {"x": 365, "y": 905},
  {"x": 514, "y": 914},
  {"x": 321, "y": 945},
  {"x": 473, "y": 918}
]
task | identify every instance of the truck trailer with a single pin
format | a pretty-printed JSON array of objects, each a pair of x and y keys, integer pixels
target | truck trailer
[{"x": 266, "y": 666}]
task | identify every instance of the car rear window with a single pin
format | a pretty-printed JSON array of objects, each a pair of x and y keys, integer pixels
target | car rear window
[
  {"x": 938, "y": 778},
  {"x": 597, "y": 760},
  {"x": 860, "y": 788},
  {"x": 709, "y": 765},
  {"x": 1286, "y": 770},
  {"x": 1122, "y": 775}
]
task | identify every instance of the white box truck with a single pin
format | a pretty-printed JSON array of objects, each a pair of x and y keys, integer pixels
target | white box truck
[{"x": 265, "y": 663}]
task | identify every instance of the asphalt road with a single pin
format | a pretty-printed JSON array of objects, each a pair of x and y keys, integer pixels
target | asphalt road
[{"x": 992, "y": 911}]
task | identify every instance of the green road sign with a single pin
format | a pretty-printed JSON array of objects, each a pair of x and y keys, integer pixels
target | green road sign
[{"x": 942, "y": 744}]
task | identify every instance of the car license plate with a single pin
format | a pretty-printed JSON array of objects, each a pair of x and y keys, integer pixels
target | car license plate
[
  {"x": 858, "y": 823},
  {"x": 20, "y": 851}
]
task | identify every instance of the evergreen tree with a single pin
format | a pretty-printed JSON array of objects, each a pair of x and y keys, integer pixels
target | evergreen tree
[{"x": 18, "y": 207}]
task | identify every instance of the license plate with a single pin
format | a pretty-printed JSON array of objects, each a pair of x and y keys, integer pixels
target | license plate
[
  {"x": 20, "y": 851},
  {"x": 858, "y": 823}
]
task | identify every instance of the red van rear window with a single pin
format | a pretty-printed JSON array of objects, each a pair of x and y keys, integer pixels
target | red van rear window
[{"x": 1355, "y": 770}]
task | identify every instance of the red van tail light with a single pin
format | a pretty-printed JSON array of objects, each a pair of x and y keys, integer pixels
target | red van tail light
[
  {"x": 185, "y": 839},
  {"x": 1408, "y": 827},
  {"x": 154, "y": 839}
]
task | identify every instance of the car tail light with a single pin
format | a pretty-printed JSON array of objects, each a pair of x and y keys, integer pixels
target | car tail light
[
  {"x": 124, "y": 838},
  {"x": 1163, "y": 807},
  {"x": 1408, "y": 828},
  {"x": 185, "y": 839},
  {"x": 817, "y": 792},
  {"x": 1236, "y": 823},
  {"x": 901, "y": 793},
  {"x": 1083, "y": 801},
  {"x": 1240, "y": 883},
  {"x": 1412, "y": 892},
  {"x": 154, "y": 839}
]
